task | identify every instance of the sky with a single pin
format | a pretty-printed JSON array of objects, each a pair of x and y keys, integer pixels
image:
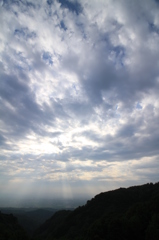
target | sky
[{"x": 79, "y": 96}]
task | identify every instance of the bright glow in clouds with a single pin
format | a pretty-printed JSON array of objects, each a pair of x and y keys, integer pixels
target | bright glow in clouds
[{"x": 79, "y": 106}]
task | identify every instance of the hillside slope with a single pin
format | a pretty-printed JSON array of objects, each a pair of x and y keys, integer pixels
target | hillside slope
[
  {"x": 30, "y": 219},
  {"x": 10, "y": 229},
  {"x": 125, "y": 214}
]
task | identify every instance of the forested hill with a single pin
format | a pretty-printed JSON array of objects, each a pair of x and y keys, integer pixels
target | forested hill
[
  {"x": 122, "y": 214},
  {"x": 10, "y": 229}
]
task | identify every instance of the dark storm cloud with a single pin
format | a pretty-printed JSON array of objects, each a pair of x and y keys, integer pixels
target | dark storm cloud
[
  {"x": 25, "y": 109},
  {"x": 23, "y": 114},
  {"x": 11, "y": 86},
  {"x": 28, "y": 116}
]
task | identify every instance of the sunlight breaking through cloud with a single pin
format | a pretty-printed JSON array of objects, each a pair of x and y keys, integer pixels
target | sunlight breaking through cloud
[{"x": 79, "y": 95}]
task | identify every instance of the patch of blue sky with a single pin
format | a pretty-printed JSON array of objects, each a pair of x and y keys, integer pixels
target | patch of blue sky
[
  {"x": 19, "y": 68},
  {"x": 47, "y": 58},
  {"x": 24, "y": 33},
  {"x": 153, "y": 28},
  {"x": 117, "y": 111},
  {"x": 7, "y": 5},
  {"x": 138, "y": 106},
  {"x": 8, "y": 2},
  {"x": 118, "y": 55},
  {"x": 63, "y": 26},
  {"x": 75, "y": 89},
  {"x": 116, "y": 107},
  {"x": 20, "y": 33},
  {"x": 24, "y": 5},
  {"x": 30, "y": 4},
  {"x": 82, "y": 29},
  {"x": 21, "y": 62},
  {"x": 73, "y": 6},
  {"x": 23, "y": 67},
  {"x": 49, "y": 2}
]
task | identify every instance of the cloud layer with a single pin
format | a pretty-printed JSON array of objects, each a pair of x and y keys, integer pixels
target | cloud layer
[{"x": 78, "y": 95}]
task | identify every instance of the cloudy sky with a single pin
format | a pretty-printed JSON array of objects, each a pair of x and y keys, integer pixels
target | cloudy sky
[{"x": 79, "y": 96}]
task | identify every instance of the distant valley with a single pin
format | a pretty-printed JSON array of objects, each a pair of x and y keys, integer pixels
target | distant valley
[{"x": 126, "y": 214}]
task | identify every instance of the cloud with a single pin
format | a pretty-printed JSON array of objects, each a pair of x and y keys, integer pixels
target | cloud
[{"x": 79, "y": 89}]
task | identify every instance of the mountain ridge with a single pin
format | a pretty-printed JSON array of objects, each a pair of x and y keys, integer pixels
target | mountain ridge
[{"x": 124, "y": 213}]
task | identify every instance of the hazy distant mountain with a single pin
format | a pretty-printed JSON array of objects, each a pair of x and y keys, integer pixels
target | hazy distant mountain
[
  {"x": 51, "y": 226},
  {"x": 10, "y": 229},
  {"x": 30, "y": 219},
  {"x": 122, "y": 214}
]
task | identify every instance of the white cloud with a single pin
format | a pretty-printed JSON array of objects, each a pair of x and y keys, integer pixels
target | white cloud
[{"x": 81, "y": 86}]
